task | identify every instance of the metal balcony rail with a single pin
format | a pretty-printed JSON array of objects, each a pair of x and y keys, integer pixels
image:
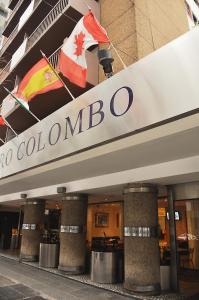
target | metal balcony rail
[
  {"x": 43, "y": 26},
  {"x": 15, "y": 31},
  {"x": 54, "y": 58},
  {"x": 14, "y": 10},
  {"x": 53, "y": 14},
  {"x": 8, "y": 41}
]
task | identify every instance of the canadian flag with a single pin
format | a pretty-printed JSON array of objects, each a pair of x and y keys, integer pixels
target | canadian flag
[{"x": 72, "y": 61}]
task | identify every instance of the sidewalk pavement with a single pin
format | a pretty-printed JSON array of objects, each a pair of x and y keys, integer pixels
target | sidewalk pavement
[
  {"x": 10, "y": 290},
  {"x": 21, "y": 281}
]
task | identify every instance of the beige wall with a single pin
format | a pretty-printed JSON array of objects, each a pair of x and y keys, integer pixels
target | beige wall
[
  {"x": 115, "y": 220},
  {"x": 118, "y": 18},
  {"x": 138, "y": 27},
  {"x": 158, "y": 22}
]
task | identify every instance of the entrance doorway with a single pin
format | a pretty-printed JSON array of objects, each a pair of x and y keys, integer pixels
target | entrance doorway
[
  {"x": 187, "y": 240},
  {"x": 10, "y": 237},
  {"x": 105, "y": 224},
  {"x": 105, "y": 234}
]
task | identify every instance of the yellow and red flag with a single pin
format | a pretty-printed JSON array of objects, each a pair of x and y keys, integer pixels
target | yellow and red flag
[{"x": 39, "y": 80}]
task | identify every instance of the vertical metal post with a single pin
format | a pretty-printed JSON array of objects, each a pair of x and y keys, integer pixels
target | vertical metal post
[
  {"x": 173, "y": 244},
  {"x": 18, "y": 230},
  {"x": 19, "y": 227}
]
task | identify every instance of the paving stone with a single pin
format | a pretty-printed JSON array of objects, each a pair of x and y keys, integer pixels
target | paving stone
[
  {"x": 53, "y": 286},
  {"x": 24, "y": 290},
  {"x": 5, "y": 281},
  {"x": 8, "y": 293}
]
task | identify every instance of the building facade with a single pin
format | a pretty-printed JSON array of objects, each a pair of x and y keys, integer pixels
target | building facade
[
  {"x": 3, "y": 14},
  {"x": 99, "y": 173}
]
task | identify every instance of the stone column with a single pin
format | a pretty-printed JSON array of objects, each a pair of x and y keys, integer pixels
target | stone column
[
  {"x": 141, "y": 255},
  {"x": 32, "y": 229},
  {"x": 73, "y": 234}
]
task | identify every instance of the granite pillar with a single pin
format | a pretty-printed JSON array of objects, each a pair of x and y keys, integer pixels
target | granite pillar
[
  {"x": 142, "y": 259},
  {"x": 32, "y": 229},
  {"x": 73, "y": 234}
]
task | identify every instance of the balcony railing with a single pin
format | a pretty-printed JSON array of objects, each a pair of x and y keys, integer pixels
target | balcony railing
[
  {"x": 9, "y": 40},
  {"x": 46, "y": 23},
  {"x": 43, "y": 26},
  {"x": 15, "y": 31},
  {"x": 54, "y": 58},
  {"x": 13, "y": 12}
]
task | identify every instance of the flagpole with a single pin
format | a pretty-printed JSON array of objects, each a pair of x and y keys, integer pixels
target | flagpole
[
  {"x": 86, "y": 4},
  {"x": 121, "y": 60},
  {"x": 33, "y": 115},
  {"x": 56, "y": 73},
  {"x": 6, "y": 122},
  {"x": 15, "y": 98}
]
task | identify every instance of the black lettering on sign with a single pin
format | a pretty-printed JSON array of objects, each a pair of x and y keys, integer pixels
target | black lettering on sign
[
  {"x": 40, "y": 148},
  {"x": 98, "y": 112},
  {"x": 73, "y": 128},
  {"x": 9, "y": 157},
  {"x": 30, "y": 146},
  {"x": 2, "y": 157},
  {"x": 113, "y": 104},
  {"x": 56, "y": 129},
  {"x": 20, "y": 154}
]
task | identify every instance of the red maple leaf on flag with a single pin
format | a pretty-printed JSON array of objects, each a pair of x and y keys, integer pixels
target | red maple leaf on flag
[{"x": 79, "y": 41}]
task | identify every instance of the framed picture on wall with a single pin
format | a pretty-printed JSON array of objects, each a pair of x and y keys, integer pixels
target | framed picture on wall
[{"x": 101, "y": 219}]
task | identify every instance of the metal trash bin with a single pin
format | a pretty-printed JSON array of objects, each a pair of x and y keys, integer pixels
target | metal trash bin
[
  {"x": 104, "y": 267},
  {"x": 165, "y": 278},
  {"x": 14, "y": 242},
  {"x": 49, "y": 255}
]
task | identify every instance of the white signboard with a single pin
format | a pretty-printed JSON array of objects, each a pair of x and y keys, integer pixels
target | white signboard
[
  {"x": 19, "y": 53},
  {"x": 26, "y": 14},
  {"x": 157, "y": 88}
]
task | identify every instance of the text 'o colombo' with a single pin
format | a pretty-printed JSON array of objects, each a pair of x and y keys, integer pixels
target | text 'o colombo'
[{"x": 86, "y": 118}]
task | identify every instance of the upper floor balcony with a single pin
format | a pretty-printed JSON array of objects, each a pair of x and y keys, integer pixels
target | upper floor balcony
[
  {"x": 56, "y": 26},
  {"x": 13, "y": 3},
  {"x": 28, "y": 21},
  {"x": 14, "y": 16},
  {"x": 44, "y": 104}
]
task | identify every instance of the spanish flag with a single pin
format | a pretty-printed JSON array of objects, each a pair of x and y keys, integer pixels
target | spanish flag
[{"x": 39, "y": 80}]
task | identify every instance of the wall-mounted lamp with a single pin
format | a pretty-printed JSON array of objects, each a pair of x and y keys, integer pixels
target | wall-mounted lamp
[
  {"x": 61, "y": 190},
  {"x": 106, "y": 60},
  {"x": 23, "y": 196}
]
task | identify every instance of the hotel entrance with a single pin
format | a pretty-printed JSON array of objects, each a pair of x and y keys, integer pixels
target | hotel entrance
[
  {"x": 105, "y": 225},
  {"x": 105, "y": 244},
  {"x": 10, "y": 238},
  {"x": 187, "y": 242},
  {"x": 98, "y": 230}
]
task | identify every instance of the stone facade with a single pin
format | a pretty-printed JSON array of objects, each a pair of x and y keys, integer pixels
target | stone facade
[
  {"x": 73, "y": 244},
  {"x": 138, "y": 27},
  {"x": 33, "y": 215}
]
